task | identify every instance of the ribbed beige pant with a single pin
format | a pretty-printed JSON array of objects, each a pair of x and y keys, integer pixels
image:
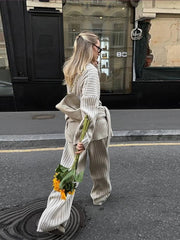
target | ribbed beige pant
[{"x": 58, "y": 211}]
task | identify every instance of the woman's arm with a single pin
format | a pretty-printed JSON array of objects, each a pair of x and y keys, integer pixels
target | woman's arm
[{"x": 89, "y": 103}]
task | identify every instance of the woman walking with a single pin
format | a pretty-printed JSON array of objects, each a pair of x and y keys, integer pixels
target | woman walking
[{"x": 82, "y": 79}]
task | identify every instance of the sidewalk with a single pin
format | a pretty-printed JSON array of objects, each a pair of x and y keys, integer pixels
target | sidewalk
[{"x": 46, "y": 129}]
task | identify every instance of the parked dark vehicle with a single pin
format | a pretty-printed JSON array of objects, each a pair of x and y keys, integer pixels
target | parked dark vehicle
[{"x": 6, "y": 88}]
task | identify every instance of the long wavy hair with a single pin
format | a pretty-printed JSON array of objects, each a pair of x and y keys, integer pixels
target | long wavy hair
[{"x": 82, "y": 55}]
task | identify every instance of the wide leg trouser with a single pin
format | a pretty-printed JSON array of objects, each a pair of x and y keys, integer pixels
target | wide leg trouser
[{"x": 58, "y": 211}]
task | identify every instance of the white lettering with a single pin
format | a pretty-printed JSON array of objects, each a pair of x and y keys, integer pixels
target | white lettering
[{"x": 121, "y": 54}]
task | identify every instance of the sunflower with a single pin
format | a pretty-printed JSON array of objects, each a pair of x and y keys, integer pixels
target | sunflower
[{"x": 65, "y": 179}]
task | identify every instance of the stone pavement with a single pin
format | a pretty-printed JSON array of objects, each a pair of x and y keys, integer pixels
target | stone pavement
[{"x": 42, "y": 129}]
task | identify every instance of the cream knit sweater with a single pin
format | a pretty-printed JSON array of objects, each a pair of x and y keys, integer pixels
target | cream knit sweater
[{"x": 87, "y": 88}]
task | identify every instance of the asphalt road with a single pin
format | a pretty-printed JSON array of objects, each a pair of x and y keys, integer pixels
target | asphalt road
[{"x": 145, "y": 201}]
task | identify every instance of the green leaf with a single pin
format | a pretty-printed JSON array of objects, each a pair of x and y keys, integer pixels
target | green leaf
[
  {"x": 67, "y": 179},
  {"x": 61, "y": 168},
  {"x": 79, "y": 177},
  {"x": 69, "y": 187}
]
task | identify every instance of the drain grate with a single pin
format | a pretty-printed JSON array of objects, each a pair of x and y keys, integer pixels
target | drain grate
[{"x": 20, "y": 223}]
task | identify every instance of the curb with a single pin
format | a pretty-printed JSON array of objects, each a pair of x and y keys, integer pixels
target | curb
[
  {"x": 146, "y": 135},
  {"x": 56, "y": 140},
  {"x": 31, "y": 141}
]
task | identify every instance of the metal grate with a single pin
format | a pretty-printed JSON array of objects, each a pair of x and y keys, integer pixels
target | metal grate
[{"x": 20, "y": 223}]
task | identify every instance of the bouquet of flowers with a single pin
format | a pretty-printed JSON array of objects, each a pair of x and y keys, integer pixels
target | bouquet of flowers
[{"x": 65, "y": 179}]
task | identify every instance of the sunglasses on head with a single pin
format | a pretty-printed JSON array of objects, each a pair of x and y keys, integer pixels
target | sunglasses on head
[{"x": 99, "y": 49}]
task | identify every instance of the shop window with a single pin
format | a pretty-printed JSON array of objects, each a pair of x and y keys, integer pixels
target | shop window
[
  {"x": 97, "y": 1},
  {"x": 118, "y": 35},
  {"x": 74, "y": 1},
  {"x": 112, "y": 23},
  {"x": 74, "y": 30},
  {"x": 97, "y": 28},
  {"x": 5, "y": 79}
]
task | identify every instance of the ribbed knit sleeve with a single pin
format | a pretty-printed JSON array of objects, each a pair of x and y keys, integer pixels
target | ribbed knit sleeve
[{"x": 89, "y": 102}]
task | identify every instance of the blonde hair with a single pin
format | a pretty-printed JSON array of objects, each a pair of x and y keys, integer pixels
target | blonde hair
[{"x": 82, "y": 55}]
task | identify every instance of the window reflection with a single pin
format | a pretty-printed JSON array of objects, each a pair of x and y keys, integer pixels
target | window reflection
[
  {"x": 5, "y": 79},
  {"x": 110, "y": 20},
  {"x": 118, "y": 35},
  {"x": 3, "y": 54}
]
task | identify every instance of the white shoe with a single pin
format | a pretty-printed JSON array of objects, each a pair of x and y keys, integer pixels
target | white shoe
[
  {"x": 61, "y": 229},
  {"x": 58, "y": 231},
  {"x": 99, "y": 202}
]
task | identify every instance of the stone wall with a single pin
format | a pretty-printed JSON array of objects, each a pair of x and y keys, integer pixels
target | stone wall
[
  {"x": 164, "y": 17},
  {"x": 148, "y": 9},
  {"x": 49, "y": 4}
]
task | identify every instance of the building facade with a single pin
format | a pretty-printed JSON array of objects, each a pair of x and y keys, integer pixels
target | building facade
[
  {"x": 157, "y": 54},
  {"x": 139, "y": 63}
]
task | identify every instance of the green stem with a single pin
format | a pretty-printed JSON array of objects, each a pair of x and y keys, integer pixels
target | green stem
[
  {"x": 85, "y": 127},
  {"x": 83, "y": 133},
  {"x": 75, "y": 163}
]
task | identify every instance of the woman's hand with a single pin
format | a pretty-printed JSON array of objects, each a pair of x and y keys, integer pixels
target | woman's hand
[{"x": 80, "y": 148}]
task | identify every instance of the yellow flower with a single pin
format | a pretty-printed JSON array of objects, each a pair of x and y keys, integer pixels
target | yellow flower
[
  {"x": 63, "y": 194},
  {"x": 56, "y": 183},
  {"x": 68, "y": 176},
  {"x": 71, "y": 193}
]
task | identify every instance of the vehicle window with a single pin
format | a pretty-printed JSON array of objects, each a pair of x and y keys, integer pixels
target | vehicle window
[{"x": 5, "y": 79}]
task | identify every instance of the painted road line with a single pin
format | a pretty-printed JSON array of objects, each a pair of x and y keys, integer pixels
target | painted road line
[
  {"x": 31, "y": 150},
  {"x": 145, "y": 144},
  {"x": 111, "y": 145}
]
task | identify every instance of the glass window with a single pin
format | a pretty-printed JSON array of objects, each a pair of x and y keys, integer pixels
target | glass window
[
  {"x": 164, "y": 41},
  {"x": 110, "y": 20},
  {"x": 74, "y": 29},
  {"x": 5, "y": 79},
  {"x": 97, "y": 1},
  {"x": 118, "y": 35}
]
